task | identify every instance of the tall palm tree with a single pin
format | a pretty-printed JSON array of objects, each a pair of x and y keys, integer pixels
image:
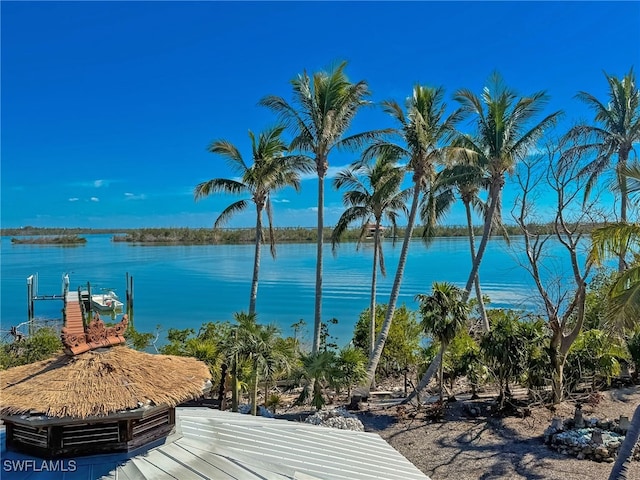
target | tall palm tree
[
  {"x": 324, "y": 106},
  {"x": 375, "y": 195},
  {"x": 271, "y": 171},
  {"x": 505, "y": 134},
  {"x": 469, "y": 179},
  {"x": 616, "y": 130},
  {"x": 444, "y": 313},
  {"x": 424, "y": 132}
]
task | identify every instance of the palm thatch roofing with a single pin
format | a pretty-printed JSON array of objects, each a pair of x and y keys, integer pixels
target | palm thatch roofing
[{"x": 100, "y": 382}]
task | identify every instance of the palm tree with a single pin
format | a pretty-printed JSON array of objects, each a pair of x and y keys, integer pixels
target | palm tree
[
  {"x": 610, "y": 240},
  {"x": 444, "y": 313},
  {"x": 260, "y": 345},
  {"x": 469, "y": 179},
  {"x": 624, "y": 298},
  {"x": 504, "y": 136},
  {"x": 270, "y": 172},
  {"x": 424, "y": 132},
  {"x": 318, "y": 370},
  {"x": 324, "y": 106},
  {"x": 616, "y": 130},
  {"x": 376, "y": 195}
]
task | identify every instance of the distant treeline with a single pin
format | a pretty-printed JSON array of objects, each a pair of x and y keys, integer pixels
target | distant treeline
[
  {"x": 45, "y": 240},
  {"x": 208, "y": 236}
]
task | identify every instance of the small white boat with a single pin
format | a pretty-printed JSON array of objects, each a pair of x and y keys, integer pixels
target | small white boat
[{"x": 106, "y": 302}]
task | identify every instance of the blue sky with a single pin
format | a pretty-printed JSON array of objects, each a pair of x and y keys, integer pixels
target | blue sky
[{"x": 107, "y": 108}]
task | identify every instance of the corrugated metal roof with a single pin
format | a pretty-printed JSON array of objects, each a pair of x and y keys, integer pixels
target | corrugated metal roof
[{"x": 224, "y": 445}]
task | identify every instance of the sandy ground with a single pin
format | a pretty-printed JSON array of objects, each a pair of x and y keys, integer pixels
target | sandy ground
[{"x": 462, "y": 447}]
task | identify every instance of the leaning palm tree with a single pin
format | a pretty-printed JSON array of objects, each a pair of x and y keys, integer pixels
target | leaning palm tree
[
  {"x": 469, "y": 179},
  {"x": 616, "y": 130},
  {"x": 376, "y": 195},
  {"x": 505, "y": 134},
  {"x": 270, "y": 172},
  {"x": 324, "y": 106},
  {"x": 423, "y": 133},
  {"x": 444, "y": 313}
]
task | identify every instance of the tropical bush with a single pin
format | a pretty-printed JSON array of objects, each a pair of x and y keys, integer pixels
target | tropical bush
[
  {"x": 510, "y": 345},
  {"x": 402, "y": 348},
  {"x": 42, "y": 344}
]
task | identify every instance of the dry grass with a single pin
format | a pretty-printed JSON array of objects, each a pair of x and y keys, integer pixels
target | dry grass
[{"x": 100, "y": 382}]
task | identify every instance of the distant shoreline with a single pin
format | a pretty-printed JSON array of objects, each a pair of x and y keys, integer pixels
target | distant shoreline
[{"x": 225, "y": 236}]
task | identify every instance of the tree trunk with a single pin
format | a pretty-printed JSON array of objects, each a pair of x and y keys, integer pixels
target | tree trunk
[
  {"x": 623, "y": 461},
  {"x": 441, "y": 369},
  {"x": 256, "y": 261},
  {"x": 254, "y": 400},
  {"x": 557, "y": 382},
  {"x": 622, "y": 181},
  {"x": 494, "y": 199},
  {"x": 374, "y": 281},
  {"x": 372, "y": 303},
  {"x": 472, "y": 247},
  {"x": 234, "y": 379},
  {"x": 317, "y": 319},
  {"x": 424, "y": 381},
  {"x": 374, "y": 358}
]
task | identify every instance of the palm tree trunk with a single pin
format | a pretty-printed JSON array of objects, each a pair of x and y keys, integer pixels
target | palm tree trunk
[
  {"x": 374, "y": 358},
  {"x": 621, "y": 467},
  {"x": 494, "y": 199},
  {"x": 374, "y": 278},
  {"x": 622, "y": 181},
  {"x": 254, "y": 400},
  {"x": 426, "y": 378},
  {"x": 472, "y": 246},
  {"x": 441, "y": 369},
  {"x": 234, "y": 378},
  {"x": 256, "y": 262},
  {"x": 317, "y": 320}
]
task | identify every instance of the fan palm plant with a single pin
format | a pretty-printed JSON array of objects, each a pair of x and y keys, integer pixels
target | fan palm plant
[
  {"x": 323, "y": 109},
  {"x": 444, "y": 313},
  {"x": 271, "y": 171},
  {"x": 615, "y": 132},
  {"x": 258, "y": 344},
  {"x": 375, "y": 195}
]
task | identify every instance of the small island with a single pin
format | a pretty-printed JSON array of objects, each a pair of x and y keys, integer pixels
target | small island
[{"x": 64, "y": 240}]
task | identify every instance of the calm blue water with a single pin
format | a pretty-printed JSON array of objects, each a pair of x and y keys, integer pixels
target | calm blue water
[{"x": 185, "y": 286}]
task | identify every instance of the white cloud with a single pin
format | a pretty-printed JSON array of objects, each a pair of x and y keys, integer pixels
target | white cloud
[
  {"x": 74, "y": 199},
  {"x": 95, "y": 199},
  {"x": 133, "y": 196},
  {"x": 99, "y": 183},
  {"x": 284, "y": 200}
]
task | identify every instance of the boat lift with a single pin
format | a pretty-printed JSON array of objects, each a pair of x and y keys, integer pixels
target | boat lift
[{"x": 32, "y": 296}]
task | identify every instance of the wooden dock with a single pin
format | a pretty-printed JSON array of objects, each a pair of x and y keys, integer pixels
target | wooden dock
[{"x": 78, "y": 338}]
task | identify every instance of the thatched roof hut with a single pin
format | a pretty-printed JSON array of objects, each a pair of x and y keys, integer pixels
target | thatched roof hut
[{"x": 101, "y": 382}]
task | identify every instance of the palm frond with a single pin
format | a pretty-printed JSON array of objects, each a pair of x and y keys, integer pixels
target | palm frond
[{"x": 228, "y": 212}]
